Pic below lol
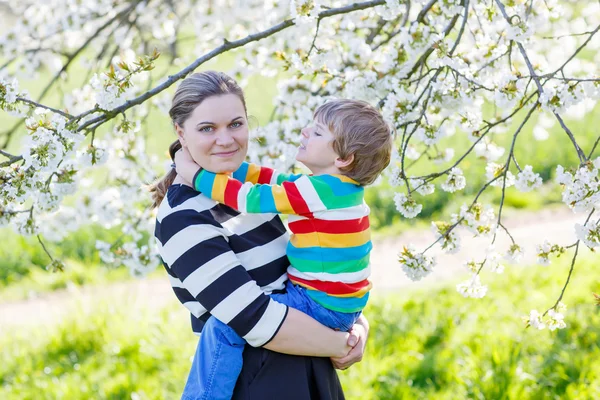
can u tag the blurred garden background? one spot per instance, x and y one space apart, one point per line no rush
93 332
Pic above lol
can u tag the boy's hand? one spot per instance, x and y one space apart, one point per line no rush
185 165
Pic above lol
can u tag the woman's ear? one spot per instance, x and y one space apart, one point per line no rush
180 135
341 163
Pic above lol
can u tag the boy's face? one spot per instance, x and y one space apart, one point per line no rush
316 151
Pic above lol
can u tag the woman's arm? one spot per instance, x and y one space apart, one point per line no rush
303 336
198 256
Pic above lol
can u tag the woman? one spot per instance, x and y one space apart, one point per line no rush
225 264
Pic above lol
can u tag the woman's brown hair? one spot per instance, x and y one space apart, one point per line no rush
192 91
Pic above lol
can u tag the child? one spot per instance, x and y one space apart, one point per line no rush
347 148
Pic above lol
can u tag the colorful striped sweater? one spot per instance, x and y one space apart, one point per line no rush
330 243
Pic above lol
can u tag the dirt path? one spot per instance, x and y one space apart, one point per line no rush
528 229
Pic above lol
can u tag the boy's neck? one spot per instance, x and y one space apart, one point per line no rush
332 170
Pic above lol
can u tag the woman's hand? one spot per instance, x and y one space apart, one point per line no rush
358 340
185 165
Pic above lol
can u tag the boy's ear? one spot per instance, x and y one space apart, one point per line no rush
180 135
341 163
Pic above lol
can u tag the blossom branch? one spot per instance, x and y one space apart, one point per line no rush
70 59
487 129
312 46
226 46
570 269
7 155
420 18
540 87
12 159
507 232
593 148
39 238
446 31
460 219
507 164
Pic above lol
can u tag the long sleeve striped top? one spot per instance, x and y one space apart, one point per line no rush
223 263
330 243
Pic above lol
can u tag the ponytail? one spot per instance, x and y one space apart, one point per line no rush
158 189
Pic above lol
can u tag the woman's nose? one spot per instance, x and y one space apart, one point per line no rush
304 132
224 138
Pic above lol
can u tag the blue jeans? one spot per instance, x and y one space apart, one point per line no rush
218 359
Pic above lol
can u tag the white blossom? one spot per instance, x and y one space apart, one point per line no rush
555 320
514 254
414 264
429 134
472 288
407 206
493 170
527 180
455 181
488 150
589 233
540 133
450 241
535 320
493 260
547 249
581 192
478 219
421 187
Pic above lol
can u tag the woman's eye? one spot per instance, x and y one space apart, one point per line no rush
236 124
205 129
317 133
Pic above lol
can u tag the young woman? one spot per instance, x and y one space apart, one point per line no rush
224 263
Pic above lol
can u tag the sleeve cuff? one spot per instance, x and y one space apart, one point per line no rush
268 326
278 327
196 181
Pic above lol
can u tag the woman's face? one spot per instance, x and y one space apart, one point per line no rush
216 134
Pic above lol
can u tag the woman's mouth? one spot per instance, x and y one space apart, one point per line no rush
225 154
302 147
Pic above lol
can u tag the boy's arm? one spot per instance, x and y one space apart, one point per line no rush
253 173
300 197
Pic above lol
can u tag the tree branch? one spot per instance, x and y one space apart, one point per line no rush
592 33
54 110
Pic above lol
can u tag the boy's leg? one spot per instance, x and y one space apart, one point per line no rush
217 363
296 297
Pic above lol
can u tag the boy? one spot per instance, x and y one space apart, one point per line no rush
347 148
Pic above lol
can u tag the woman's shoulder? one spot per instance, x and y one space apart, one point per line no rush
183 198
183 207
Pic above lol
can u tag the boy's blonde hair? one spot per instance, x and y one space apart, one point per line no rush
359 130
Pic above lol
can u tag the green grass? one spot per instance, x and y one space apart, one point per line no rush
23 271
427 343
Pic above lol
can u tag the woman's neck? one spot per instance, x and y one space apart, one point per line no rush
180 181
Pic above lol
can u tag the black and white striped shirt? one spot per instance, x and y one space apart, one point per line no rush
223 263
